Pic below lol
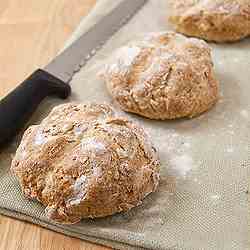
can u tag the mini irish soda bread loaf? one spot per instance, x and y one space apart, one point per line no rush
162 76
214 20
82 161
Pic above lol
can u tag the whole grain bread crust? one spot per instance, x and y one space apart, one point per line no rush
83 161
162 76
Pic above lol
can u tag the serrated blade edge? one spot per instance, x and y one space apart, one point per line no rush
66 64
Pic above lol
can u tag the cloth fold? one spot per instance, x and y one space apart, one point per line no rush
202 200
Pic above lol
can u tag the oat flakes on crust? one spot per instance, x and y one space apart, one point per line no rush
82 161
212 20
162 76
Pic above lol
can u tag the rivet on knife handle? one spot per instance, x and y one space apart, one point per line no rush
17 107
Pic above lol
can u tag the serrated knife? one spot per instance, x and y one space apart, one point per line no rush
17 107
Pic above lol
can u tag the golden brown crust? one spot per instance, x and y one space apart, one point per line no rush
212 20
83 161
162 76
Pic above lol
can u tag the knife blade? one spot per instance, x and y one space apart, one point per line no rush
64 65
17 107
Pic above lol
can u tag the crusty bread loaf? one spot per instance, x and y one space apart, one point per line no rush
162 76
213 20
82 161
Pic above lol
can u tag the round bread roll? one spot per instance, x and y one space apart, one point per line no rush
84 162
162 76
212 20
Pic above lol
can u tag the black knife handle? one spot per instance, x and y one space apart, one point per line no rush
17 107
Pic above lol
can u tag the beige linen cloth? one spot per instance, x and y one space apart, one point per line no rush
202 200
